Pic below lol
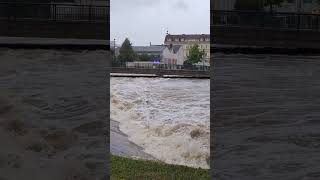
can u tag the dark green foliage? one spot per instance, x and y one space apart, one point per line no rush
195 55
124 168
126 52
116 63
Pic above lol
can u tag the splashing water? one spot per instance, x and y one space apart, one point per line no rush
169 118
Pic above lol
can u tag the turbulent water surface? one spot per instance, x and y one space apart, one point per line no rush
169 118
266 117
53 114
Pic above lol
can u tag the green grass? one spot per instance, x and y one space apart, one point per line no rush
125 169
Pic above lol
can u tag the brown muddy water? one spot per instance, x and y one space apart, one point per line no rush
266 117
167 117
53 113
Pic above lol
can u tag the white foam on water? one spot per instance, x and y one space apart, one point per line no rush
169 118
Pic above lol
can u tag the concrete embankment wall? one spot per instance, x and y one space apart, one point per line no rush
162 72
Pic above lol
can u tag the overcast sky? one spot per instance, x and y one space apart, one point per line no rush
145 21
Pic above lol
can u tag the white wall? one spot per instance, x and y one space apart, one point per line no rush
168 54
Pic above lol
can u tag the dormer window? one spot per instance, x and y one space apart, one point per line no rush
182 39
201 39
169 39
176 39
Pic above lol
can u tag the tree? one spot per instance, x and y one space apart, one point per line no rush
126 53
195 55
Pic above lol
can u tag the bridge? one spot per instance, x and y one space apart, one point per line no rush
233 28
190 72
54 21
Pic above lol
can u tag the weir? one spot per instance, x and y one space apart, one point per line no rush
172 73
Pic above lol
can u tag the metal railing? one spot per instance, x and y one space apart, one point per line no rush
163 66
53 11
259 19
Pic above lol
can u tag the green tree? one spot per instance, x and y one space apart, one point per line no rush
195 55
126 53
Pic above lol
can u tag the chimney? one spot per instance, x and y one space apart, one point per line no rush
150 43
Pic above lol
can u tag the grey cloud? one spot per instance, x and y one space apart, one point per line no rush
144 21
181 5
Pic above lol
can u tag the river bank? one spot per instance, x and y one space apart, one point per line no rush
124 168
121 146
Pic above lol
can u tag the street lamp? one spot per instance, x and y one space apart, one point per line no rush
114 48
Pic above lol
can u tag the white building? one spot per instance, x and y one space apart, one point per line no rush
187 41
173 55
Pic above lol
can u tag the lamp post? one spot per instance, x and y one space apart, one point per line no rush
205 54
114 48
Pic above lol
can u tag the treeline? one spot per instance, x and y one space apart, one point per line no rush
127 54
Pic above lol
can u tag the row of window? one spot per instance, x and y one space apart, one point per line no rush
182 39
170 61
207 55
201 46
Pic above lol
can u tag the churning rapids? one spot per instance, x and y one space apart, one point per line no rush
169 118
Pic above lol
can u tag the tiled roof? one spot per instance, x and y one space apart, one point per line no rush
176 48
148 48
187 36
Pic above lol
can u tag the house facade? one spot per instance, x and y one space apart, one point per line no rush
186 41
173 55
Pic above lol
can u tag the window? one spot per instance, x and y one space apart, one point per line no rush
182 39
169 39
176 39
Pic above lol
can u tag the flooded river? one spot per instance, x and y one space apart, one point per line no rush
168 118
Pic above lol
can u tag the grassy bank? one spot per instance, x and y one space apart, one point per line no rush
124 168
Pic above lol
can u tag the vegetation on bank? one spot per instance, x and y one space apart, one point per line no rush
127 54
195 55
125 168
